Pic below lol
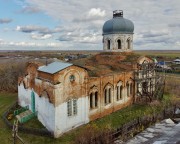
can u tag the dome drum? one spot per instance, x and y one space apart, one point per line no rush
118 33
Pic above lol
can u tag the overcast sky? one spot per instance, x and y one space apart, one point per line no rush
77 24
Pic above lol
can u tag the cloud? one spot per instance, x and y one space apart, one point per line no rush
79 35
6 44
93 15
87 17
178 43
96 12
37 32
5 21
80 23
153 33
30 10
39 29
174 25
1 41
32 28
40 36
158 38
84 38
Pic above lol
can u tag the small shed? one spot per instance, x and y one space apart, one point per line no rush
176 61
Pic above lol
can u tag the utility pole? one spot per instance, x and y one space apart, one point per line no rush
15 133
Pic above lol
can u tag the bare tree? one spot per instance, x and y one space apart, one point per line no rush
9 74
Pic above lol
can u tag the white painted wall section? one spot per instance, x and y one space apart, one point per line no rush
64 123
45 110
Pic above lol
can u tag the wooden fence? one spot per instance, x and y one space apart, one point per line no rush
35 131
134 127
124 132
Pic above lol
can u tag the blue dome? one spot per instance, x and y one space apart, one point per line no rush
118 24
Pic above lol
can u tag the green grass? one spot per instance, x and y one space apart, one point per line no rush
112 121
34 122
6 99
125 115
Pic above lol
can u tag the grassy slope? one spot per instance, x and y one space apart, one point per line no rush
6 99
111 121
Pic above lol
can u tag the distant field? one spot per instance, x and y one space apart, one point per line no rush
18 56
172 53
166 54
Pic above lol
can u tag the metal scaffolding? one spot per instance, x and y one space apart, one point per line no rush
149 84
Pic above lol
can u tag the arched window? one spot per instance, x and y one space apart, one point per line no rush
119 44
96 99
108 44
117 92
121 91
109 95
105 96
127 87
128 43
91 100
131 89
